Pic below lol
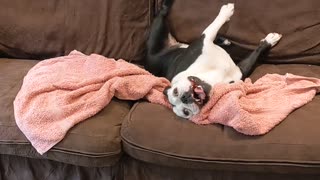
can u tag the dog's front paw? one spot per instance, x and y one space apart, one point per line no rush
226 11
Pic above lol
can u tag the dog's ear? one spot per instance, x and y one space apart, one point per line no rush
194 79
165 91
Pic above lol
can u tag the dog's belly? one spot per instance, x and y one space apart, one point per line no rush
214 65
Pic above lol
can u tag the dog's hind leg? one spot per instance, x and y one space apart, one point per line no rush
157 39
173 42
246 65
224 15
159 31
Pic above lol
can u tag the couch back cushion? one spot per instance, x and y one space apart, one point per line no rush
298 21
40 29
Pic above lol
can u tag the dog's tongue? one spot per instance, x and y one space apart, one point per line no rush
200 92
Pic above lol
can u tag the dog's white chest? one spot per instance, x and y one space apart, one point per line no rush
212 66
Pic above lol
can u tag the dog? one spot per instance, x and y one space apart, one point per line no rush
194 69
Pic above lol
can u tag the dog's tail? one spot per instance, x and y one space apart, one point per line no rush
159 30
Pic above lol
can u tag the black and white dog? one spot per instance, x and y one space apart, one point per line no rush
193 70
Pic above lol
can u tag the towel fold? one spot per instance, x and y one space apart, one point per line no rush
255 108
58 93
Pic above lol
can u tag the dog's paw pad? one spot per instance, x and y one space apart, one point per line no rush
227 11
272 38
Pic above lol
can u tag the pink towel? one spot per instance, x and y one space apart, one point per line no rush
58 93
254 109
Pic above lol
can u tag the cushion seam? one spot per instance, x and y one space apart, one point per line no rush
222 160
66 151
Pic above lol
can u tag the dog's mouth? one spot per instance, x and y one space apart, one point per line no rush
199 95
200 90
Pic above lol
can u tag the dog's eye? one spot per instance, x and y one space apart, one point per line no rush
175 92
186 112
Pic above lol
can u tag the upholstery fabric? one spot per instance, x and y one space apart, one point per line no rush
137 170
18 168
44 29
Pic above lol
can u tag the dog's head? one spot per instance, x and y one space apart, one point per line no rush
187 96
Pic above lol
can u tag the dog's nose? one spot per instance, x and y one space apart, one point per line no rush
186 98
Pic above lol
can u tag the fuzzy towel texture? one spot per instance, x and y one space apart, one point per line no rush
255 108
58 93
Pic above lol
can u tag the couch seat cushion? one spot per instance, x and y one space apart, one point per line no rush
94 142
154 134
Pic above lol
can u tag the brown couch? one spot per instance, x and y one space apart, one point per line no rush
139 140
